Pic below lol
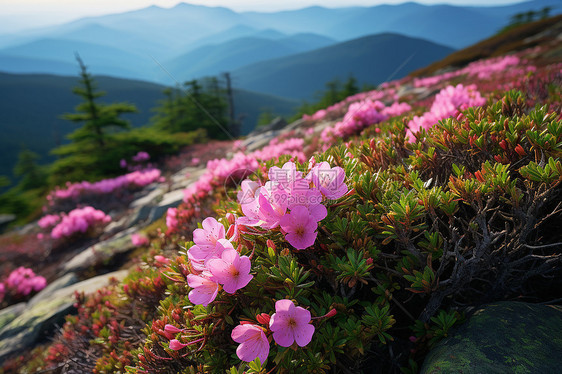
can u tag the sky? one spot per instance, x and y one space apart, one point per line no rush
21 14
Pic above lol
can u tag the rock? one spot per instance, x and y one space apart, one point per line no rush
101 252
278 123
31 325
47 292
169 200
33 322
505 337
186 176
253 143
149 199
5 220
10 313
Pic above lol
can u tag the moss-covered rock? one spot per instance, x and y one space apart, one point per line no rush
504 337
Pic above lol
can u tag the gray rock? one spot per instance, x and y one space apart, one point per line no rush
187 176
149 199
139 216
32 322
101 252
10 313
169 200
259 141
504 337
47 292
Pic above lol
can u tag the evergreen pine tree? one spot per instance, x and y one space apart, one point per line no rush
97 118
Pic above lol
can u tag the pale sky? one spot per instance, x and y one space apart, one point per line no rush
28 13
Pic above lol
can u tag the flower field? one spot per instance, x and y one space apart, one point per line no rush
351 243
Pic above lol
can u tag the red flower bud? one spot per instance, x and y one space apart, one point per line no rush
263 318
270 244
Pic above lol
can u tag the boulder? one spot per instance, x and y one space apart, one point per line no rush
504 337
47 292
170 200
10 313
101 252
29 324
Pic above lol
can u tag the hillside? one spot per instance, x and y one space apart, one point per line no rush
31 106
377 235
371 59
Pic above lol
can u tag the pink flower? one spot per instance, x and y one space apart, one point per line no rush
330 181
253 342
161 259
2 291
23 280
285 176
231 270
139 240
300 228
211 232
200 255
310 199
172 329
291 324
171 218
273 202
204 289
176 345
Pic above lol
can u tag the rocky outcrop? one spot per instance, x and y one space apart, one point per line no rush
23 325
504 337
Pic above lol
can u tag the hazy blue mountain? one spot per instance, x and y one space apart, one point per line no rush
31 106
101 59
97 34
135 39
371 59
216 59
14 64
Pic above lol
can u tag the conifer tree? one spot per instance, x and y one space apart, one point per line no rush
32 176
97 118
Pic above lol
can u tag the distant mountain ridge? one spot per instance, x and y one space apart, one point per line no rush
371 60
233 54
158 34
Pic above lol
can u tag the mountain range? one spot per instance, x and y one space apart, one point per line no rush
197 40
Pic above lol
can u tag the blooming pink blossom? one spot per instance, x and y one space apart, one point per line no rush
291 324
273 202
48 221
310 198
448 102
204 289
141 156
300 228
171 218
330 181
253 342
211 232
139 178
22 281
200 255
231 270
2 291
139 240
161 259
79 220
285 176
